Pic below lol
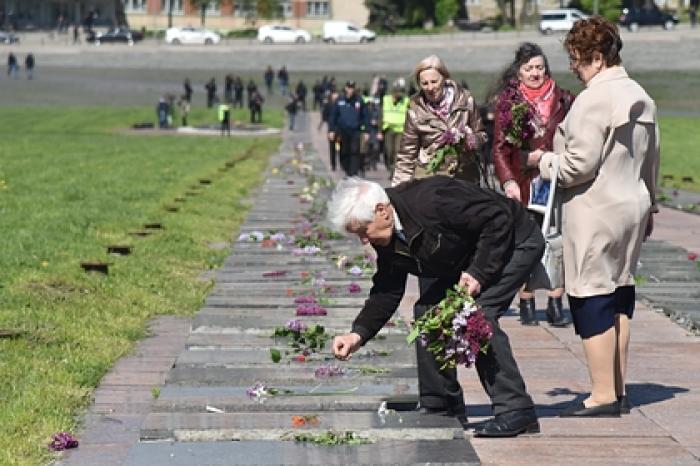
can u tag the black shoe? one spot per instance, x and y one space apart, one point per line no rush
510 424
528 314
555 314
624 402
580 410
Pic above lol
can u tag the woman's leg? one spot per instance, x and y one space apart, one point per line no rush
622 331
601 352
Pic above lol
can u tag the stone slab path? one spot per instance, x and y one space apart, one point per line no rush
202 368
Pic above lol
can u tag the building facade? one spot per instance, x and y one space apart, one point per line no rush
241 14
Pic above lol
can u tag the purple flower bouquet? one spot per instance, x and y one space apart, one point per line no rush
516 117
455 330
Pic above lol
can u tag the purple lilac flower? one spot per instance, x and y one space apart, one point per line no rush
278 237
257 236
311 309
63 441
329 371
244 237
305 299
355 270
306 250
296 325
257 391
354 288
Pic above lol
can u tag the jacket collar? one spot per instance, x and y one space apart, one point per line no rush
461 98
411 228
608 74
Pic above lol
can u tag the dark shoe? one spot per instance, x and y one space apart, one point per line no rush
580 410
528 315
624 403
510 424
555 314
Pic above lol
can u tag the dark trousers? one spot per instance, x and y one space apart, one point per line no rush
497 369
350 152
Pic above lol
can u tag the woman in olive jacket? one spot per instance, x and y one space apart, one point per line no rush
442 113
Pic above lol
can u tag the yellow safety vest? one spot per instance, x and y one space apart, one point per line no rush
223 108
394 116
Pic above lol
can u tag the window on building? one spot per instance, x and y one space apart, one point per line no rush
286 8
135 5
213 8
317 8
245 8
473 2
177 5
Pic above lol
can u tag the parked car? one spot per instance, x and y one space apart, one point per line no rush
559 20
343 31
488 23
635 16
8 38
274 33
122 35
190 35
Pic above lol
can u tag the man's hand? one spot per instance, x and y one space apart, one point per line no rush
470 283
331 136
344 345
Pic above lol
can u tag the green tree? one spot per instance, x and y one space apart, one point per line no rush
609 9
202 5
445 10
269 9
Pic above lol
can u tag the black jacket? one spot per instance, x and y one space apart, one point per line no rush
450 226
348 114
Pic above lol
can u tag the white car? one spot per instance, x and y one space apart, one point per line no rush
559 20
189 35
344 31
274 33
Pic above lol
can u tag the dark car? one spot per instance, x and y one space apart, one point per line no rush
117 35
465 24
634 16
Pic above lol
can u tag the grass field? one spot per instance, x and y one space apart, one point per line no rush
69 187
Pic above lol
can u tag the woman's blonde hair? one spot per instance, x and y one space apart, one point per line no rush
433 62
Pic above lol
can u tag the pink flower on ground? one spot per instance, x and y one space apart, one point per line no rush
354 288
692 256
63 441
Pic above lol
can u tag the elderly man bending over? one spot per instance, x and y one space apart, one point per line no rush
456 232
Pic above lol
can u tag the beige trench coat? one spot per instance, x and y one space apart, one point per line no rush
608 150
423 129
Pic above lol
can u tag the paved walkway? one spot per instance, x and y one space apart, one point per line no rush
663 384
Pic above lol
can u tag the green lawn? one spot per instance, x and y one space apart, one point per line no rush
680 151
69 187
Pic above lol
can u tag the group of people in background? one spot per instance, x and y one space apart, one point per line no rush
442 221
13 65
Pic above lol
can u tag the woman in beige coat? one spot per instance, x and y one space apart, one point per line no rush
608 152
441 114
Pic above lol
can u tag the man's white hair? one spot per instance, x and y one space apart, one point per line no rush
354 200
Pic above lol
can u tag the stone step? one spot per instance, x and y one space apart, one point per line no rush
203 427
185 399
236 299
257 325
280 374
388 452
255 356
200 339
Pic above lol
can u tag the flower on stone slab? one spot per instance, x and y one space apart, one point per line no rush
354 288
329 370
296 325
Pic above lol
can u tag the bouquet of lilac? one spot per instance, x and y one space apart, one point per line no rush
448 151
455 330
516 117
